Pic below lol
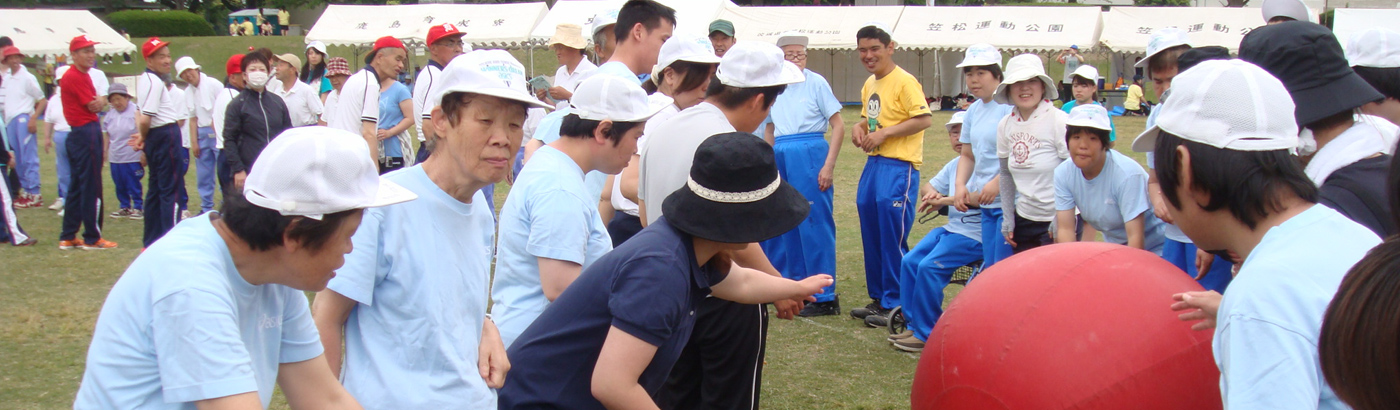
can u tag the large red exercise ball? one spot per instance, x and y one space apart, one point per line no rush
1069 326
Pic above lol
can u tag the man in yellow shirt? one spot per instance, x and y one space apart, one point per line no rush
1133 102
892 134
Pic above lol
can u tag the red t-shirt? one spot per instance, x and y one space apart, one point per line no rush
77 92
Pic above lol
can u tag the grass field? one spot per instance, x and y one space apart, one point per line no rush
49 300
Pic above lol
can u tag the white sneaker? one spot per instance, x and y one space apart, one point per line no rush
60 212
57 205
184 215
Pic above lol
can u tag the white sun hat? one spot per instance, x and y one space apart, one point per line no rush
1021 68
682 47
1087 72
1227 104
1165 38
1091 116
608 97
956 120
1376 47
754 64
315 171
981 54
487 72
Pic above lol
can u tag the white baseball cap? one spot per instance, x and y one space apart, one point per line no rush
607 97
792 38
1376 47
603 20
318 45
882 26
981 54
314 171
184 63
1227 104
1165 38
956 120
754 64
1294 9
1021 68
682 47
487 72
1091 116
1087 72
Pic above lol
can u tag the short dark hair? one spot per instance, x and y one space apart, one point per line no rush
263 228
1101 135
1165 58
995 69
1248 183
873 32
255 57
1358 346
1385 80
733 97
648 13
575 127
693 75
5 41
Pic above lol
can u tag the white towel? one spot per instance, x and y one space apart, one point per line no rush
1370 135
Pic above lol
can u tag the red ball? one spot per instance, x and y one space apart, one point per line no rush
1069 326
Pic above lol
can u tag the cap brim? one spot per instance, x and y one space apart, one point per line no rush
978 63
790 75
1086 124
748 222
390 193
1143 62
1052 91
1147 141
1342 94
82 46
655 103
503 93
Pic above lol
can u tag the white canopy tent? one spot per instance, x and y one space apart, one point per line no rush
694 15
825 27
43 33
485 25
1012 29
1350 22
1129 29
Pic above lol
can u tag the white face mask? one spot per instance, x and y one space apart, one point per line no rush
257 79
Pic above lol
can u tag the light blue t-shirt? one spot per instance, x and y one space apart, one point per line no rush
548 214
967 224
1268 323
805 107
980 133
1107 202
618 69
420 273
548 132
390 115
182 325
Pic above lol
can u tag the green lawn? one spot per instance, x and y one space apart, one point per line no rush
49 300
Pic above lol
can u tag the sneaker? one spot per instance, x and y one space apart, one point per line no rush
26 201
101 244
912 345
872 309
902 335
877 321
27 242
73 244
57 205
60 212
136 215
120 213
815 309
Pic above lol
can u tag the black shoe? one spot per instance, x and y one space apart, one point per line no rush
877 321
815 309
872 308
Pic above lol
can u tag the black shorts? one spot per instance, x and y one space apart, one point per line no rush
1030 234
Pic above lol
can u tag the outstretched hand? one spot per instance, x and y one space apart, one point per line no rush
1201 306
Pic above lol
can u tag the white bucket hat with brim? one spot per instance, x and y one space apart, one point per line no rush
569 35
1021 68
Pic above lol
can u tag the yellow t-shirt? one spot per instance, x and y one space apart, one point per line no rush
1134 99
892 100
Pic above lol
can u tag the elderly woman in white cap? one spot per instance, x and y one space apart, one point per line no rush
402 349
233 321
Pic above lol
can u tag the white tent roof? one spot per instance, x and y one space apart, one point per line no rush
485 24
825 27
694 15
1129 29
1350 22
47 32
1009 28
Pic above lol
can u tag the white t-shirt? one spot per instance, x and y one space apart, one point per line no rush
54 113
20 91
358 102
221 101
424 84
177 95
332 98
303 103
1033 148
420 275
569 81
666 167
153 96
620 202
202 99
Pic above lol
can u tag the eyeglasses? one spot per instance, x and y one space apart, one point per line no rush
795 56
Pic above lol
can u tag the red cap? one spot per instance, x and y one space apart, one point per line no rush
10 51
386 42
443 30
152 46
79 43
235 64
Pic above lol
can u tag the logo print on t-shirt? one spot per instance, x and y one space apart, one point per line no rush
1021 145
872 112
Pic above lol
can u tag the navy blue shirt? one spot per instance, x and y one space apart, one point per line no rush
648 287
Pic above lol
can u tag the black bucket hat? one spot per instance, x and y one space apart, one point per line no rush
1309 61
734 194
